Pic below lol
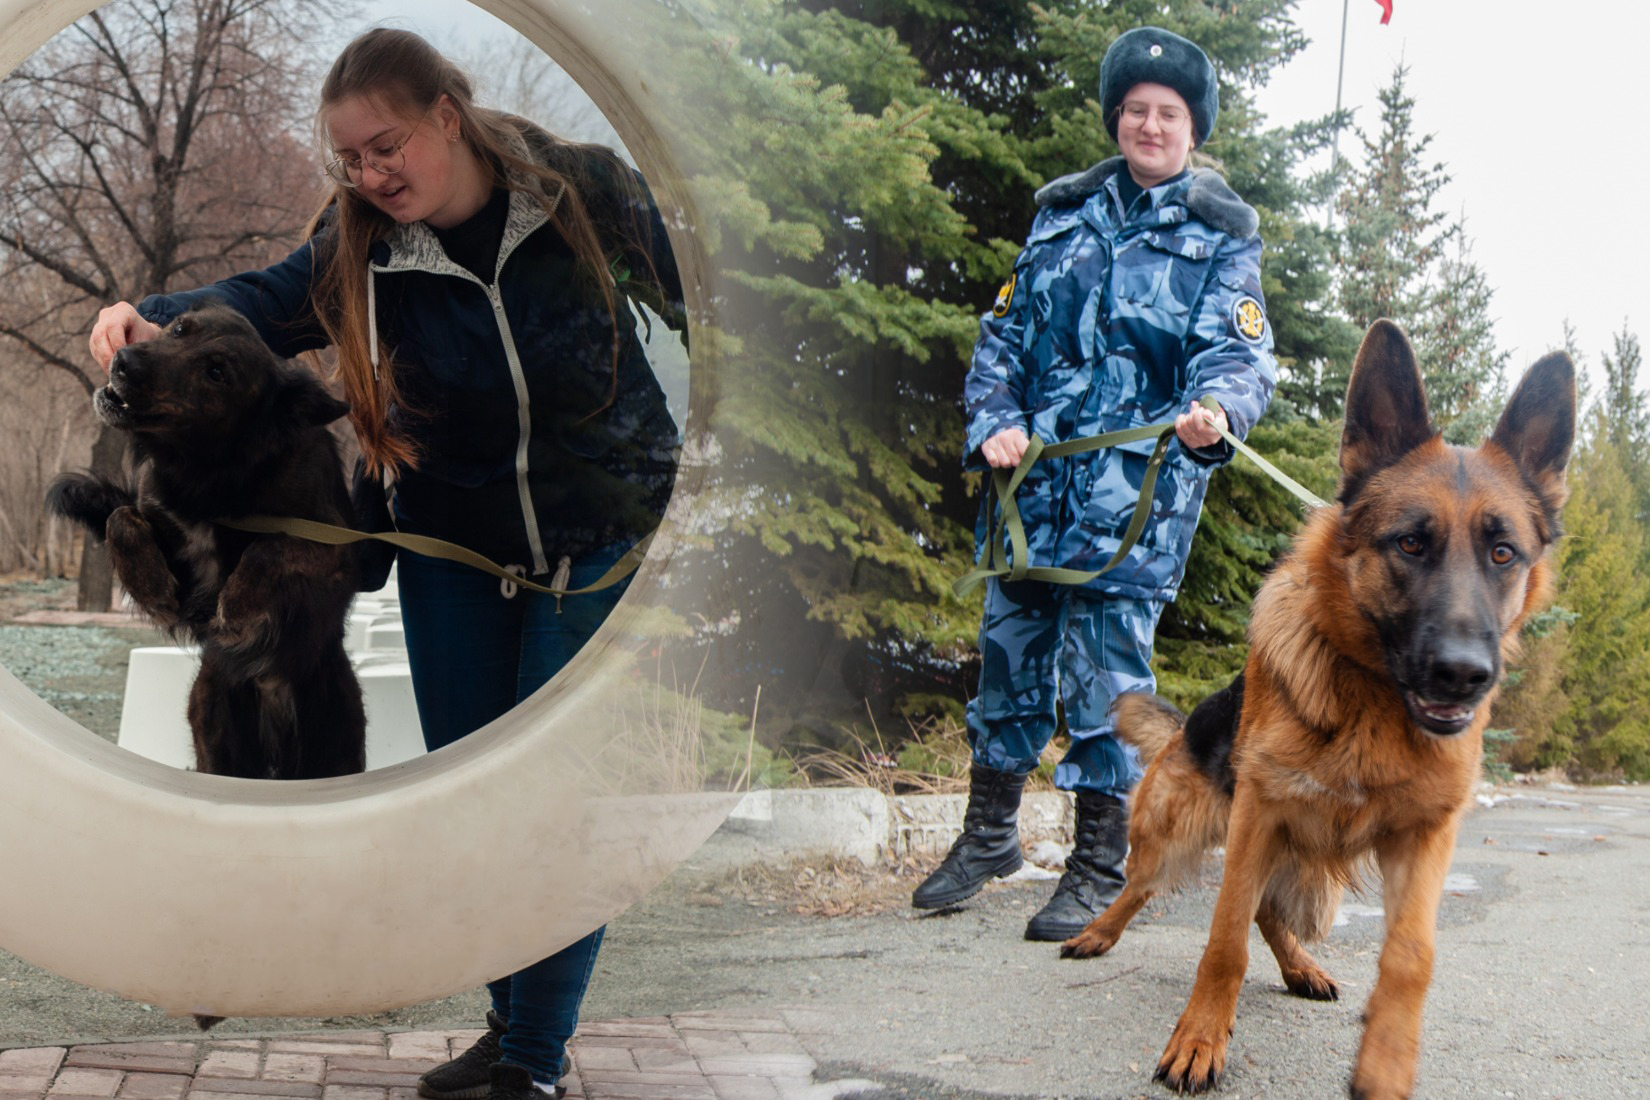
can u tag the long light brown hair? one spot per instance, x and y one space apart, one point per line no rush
402 74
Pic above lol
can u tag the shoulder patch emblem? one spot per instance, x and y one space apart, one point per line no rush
1249 319
1004 296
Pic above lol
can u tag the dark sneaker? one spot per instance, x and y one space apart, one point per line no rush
466 1077
512 1082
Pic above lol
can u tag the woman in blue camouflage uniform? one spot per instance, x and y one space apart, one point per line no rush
1137 294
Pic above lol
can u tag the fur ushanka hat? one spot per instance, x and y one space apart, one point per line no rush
1152 55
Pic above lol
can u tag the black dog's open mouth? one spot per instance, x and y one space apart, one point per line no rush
1440 718
112 406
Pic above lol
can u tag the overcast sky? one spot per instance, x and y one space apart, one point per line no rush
1535 108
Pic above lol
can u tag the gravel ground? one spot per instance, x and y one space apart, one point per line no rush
80 670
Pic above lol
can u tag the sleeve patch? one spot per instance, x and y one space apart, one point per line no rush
1249 319
1004 296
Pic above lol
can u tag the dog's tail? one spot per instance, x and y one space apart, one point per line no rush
1148 722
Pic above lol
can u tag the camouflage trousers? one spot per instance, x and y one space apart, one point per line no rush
1043 644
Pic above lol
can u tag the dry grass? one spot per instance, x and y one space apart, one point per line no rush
650 745
662 738
934 759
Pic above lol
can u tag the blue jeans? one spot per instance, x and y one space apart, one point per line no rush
475 653
1042 644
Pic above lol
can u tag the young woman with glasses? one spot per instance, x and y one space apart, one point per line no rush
474 274
1137 294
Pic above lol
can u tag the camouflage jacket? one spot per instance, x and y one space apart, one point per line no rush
1114 319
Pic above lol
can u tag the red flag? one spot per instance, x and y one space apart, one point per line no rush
1386 11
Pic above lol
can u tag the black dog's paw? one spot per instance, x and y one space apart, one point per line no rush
207 1023
129 534
141 566
245 616
88 498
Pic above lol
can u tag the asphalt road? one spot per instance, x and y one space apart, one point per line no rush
1539 991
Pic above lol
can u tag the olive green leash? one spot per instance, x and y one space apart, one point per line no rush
316 531
1008 532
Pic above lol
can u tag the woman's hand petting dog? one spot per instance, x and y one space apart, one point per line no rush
117 326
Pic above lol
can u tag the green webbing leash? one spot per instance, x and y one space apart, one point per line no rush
1008 529
315 531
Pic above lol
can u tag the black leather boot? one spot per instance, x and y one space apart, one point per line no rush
1094 870
989 845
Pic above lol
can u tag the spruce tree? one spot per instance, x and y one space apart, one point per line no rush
823 444
1626 416
1390 235
1604 727
1455 342
1580 695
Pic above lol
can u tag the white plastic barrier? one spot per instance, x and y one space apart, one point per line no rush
204 894
154 717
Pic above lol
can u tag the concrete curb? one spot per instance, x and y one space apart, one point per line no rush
862 824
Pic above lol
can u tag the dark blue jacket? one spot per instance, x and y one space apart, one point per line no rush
530 448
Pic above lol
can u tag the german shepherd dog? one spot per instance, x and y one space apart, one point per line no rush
1355 729
222 428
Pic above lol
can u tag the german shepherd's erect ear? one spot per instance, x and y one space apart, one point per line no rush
1386 408
1538 427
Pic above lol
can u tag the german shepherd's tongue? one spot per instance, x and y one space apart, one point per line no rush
1442 717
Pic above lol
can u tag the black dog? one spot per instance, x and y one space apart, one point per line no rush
222 428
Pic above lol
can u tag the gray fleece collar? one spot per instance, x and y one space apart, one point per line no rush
413 247
1208 196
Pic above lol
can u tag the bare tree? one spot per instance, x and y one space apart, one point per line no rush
45 420
151 146
514 75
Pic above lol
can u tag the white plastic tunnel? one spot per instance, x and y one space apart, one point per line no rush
230 897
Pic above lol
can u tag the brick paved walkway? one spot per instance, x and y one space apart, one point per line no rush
691 1056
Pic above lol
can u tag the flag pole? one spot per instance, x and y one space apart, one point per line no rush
1335 133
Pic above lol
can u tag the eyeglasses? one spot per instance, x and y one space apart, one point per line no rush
1170 119
386 160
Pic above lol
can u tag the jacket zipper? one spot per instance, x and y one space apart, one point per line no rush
524 422
518 377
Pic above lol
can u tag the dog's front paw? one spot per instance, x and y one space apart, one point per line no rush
1091 942
140 565
245 615
1194 1058
1386 1064
241 619
127 530
1313 983
1376 1090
